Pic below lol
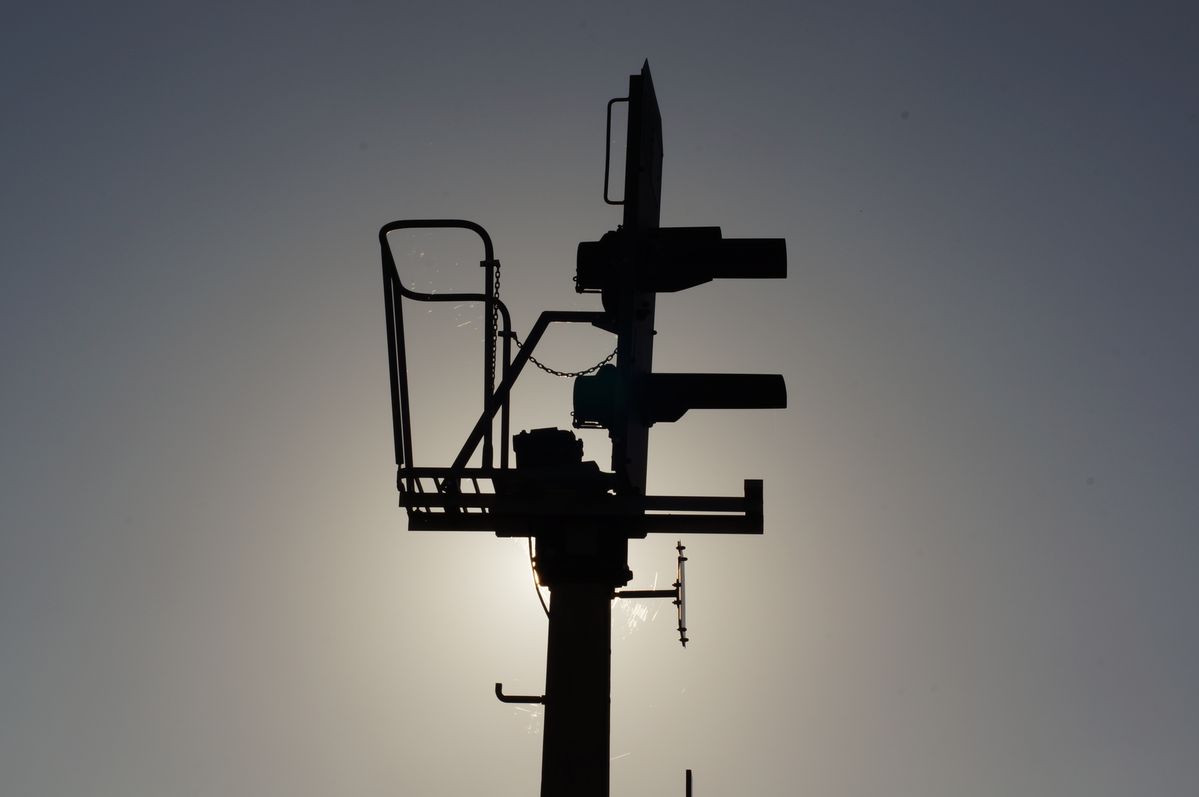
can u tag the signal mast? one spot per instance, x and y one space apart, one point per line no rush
578 516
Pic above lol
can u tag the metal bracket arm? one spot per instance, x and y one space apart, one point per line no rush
518 363
509 515
673 594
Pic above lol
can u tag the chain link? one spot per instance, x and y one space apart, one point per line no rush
567 374
495 314
532 359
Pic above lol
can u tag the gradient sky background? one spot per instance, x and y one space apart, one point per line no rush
981 568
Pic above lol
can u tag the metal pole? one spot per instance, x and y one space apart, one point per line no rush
578 682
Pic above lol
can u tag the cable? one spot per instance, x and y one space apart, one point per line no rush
535 585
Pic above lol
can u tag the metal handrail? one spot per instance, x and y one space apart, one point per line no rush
397 354
496 400
608 149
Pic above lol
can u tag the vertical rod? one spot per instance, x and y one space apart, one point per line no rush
402 368
504 433
688 783
397 427
488 353
578 681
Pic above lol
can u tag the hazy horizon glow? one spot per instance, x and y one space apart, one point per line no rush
979 570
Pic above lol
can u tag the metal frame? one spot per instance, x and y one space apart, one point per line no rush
458 498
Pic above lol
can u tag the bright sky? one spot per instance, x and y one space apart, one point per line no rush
979 570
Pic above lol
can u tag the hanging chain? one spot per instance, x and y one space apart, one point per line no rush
520 345
494 310
567 374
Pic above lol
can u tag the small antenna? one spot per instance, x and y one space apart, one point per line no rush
678 595
680 600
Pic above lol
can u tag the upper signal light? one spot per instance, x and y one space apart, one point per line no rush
672 259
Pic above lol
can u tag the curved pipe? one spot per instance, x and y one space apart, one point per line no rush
499 692
424 224
442 297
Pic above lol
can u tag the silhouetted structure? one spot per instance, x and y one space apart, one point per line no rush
580 517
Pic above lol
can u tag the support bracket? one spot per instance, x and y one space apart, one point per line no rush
499 692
